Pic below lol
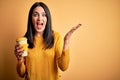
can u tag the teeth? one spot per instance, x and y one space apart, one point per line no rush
38 23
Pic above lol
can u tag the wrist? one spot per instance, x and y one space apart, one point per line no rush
21 59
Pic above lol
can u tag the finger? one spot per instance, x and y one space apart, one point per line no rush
76 27
72 30
18 50
19 57
18 47
68 35
79 25
19 54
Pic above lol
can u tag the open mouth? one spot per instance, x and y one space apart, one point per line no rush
41 24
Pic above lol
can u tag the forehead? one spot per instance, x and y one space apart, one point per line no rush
38 9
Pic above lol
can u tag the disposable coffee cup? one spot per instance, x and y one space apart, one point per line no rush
23 42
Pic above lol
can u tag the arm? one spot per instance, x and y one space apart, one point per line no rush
63 61
21 68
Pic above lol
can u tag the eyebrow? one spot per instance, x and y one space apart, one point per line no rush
35 12
38 12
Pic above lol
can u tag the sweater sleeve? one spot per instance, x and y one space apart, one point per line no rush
21 68
63 61
62 56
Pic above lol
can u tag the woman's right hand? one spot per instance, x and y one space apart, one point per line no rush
18 52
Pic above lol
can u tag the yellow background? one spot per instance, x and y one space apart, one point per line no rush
94 48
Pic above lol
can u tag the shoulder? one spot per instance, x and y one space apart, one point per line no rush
57 36
58 40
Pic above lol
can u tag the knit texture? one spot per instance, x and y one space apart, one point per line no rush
44 64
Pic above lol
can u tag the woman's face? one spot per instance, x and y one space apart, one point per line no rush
39 20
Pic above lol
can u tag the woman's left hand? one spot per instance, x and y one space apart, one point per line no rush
68 35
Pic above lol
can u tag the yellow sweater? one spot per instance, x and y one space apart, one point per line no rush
41 64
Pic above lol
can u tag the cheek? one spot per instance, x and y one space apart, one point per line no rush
45 20
33 21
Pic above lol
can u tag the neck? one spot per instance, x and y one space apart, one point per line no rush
39 34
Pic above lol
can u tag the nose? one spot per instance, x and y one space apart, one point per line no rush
40 17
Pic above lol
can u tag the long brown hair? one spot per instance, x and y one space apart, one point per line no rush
48 33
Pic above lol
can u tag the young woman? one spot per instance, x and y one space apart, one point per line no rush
47 51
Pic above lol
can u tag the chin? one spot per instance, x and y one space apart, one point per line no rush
40 31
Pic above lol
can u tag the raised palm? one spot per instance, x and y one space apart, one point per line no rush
68 35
